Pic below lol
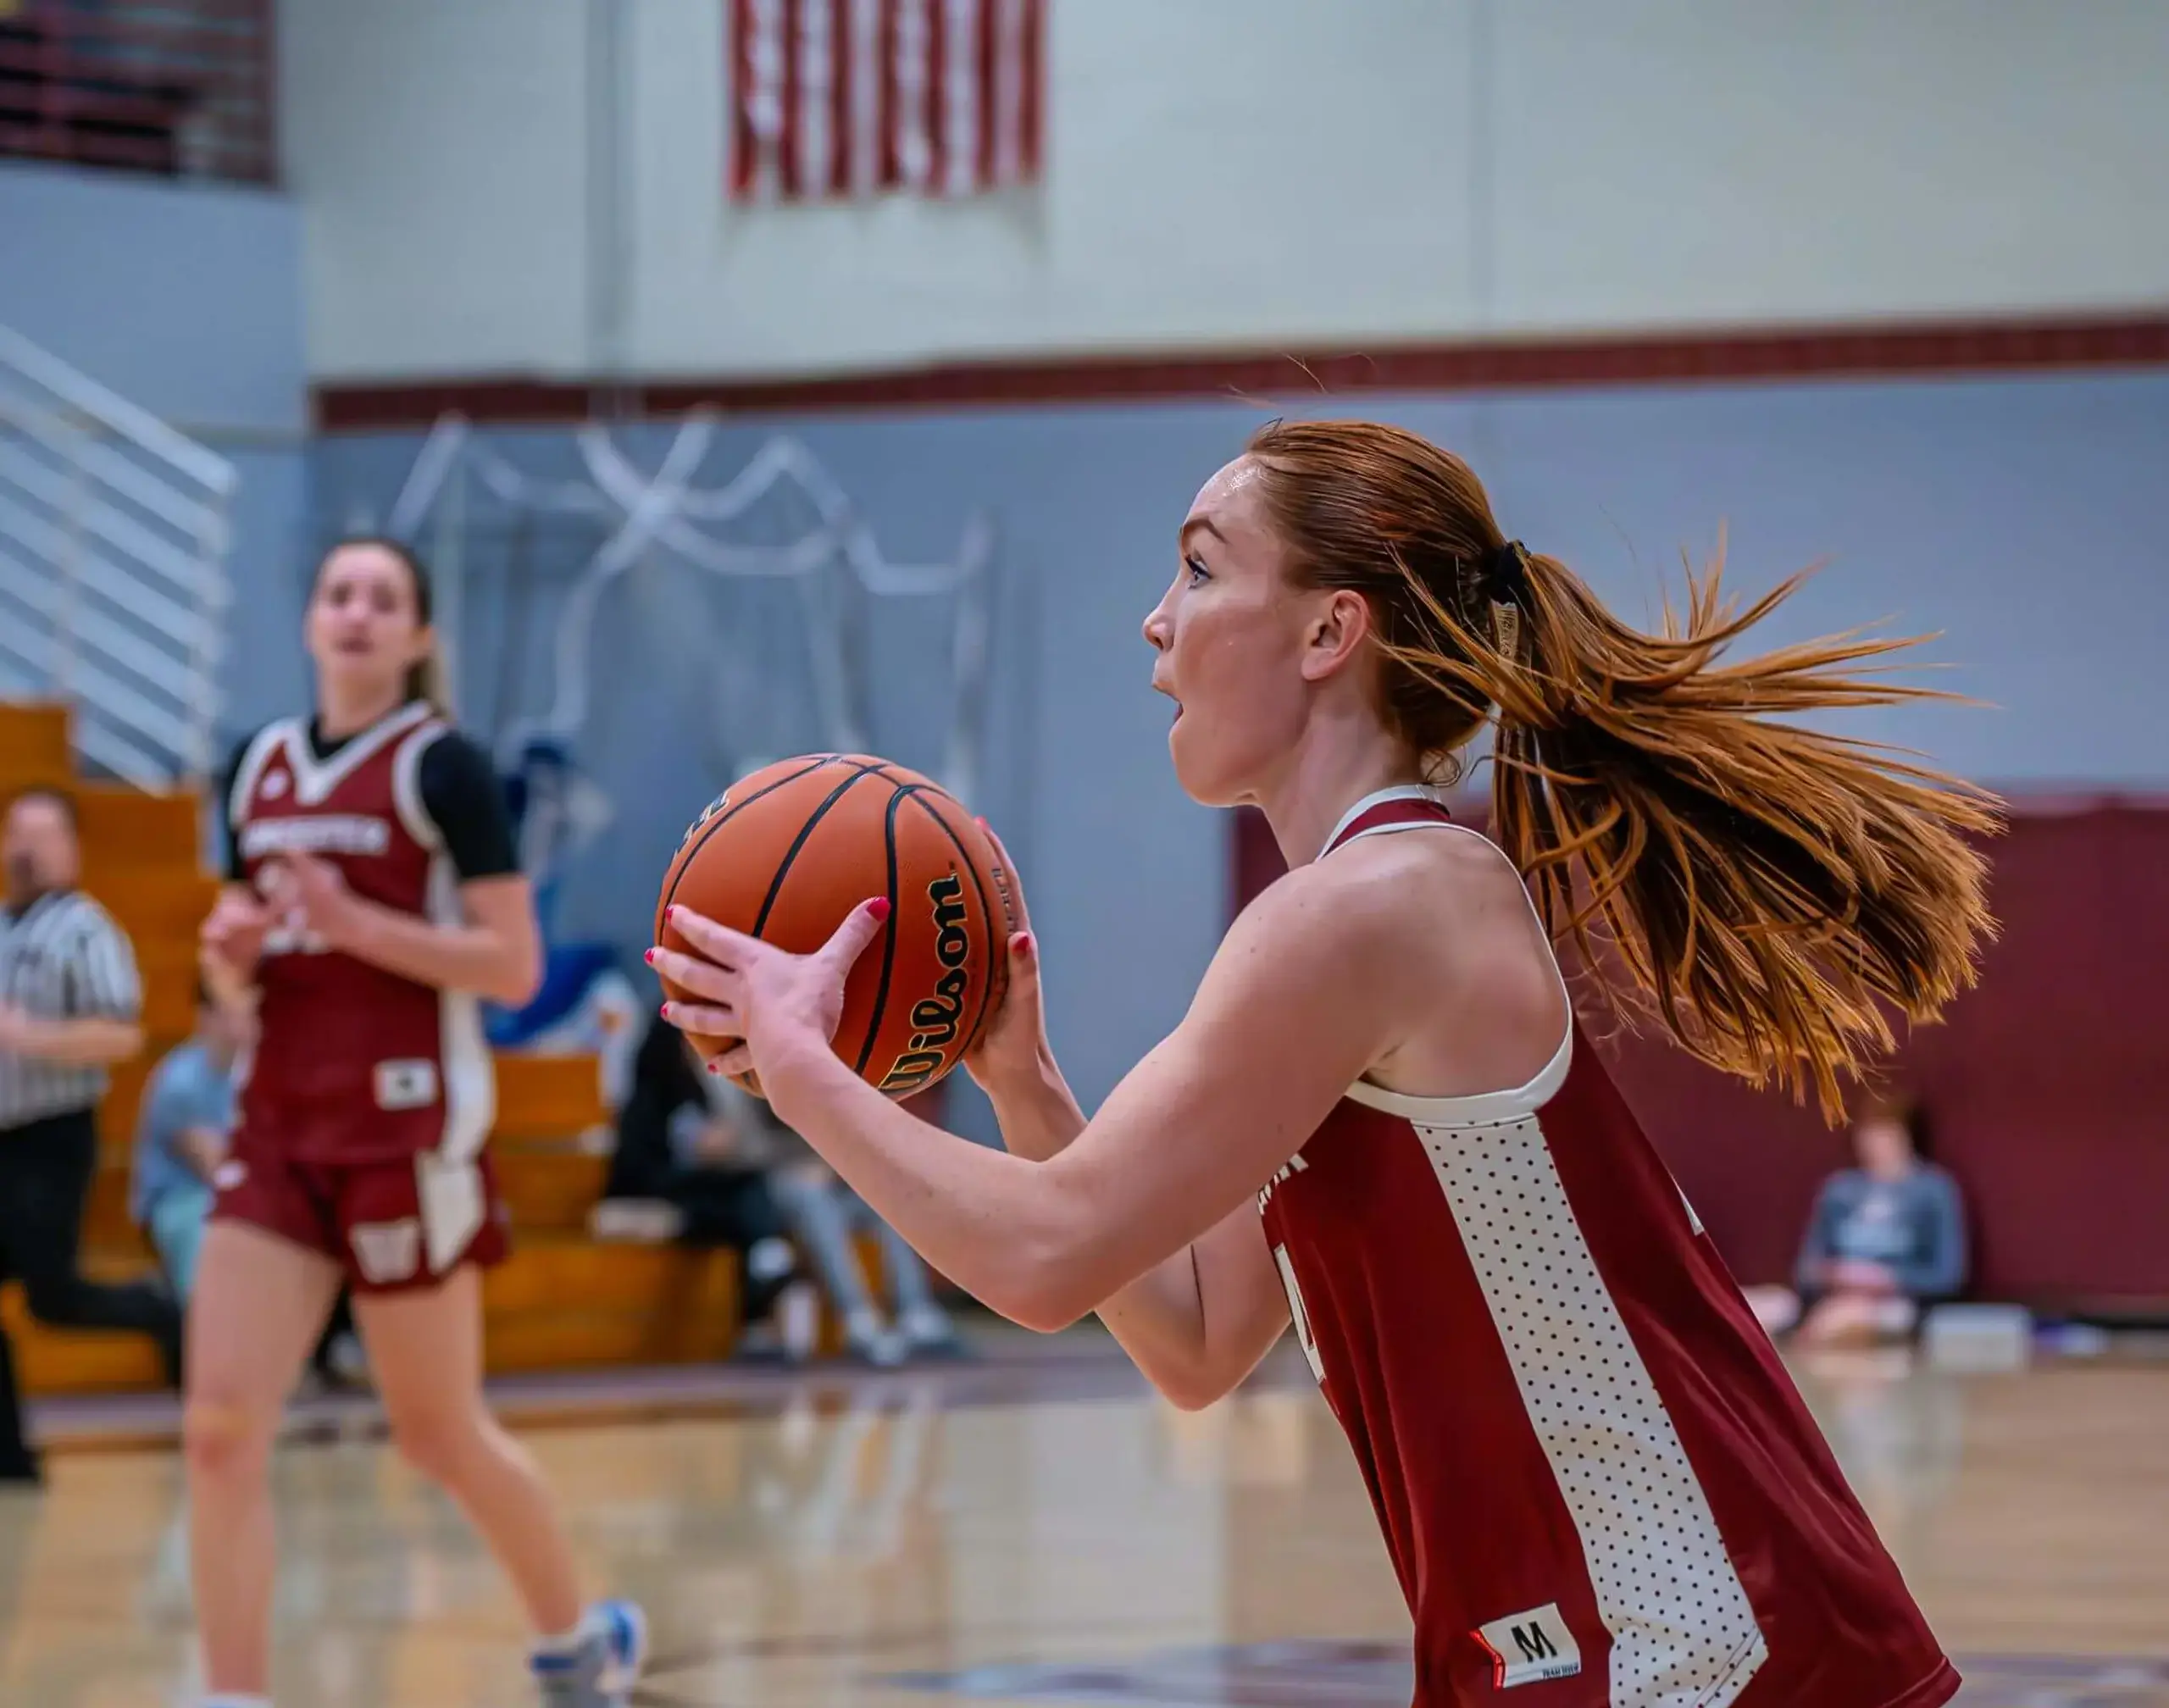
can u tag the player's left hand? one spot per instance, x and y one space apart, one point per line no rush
737 986
317 891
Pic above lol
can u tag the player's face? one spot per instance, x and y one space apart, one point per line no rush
364 628
1230 635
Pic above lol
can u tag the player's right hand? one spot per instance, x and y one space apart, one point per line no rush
1013 1049
234 934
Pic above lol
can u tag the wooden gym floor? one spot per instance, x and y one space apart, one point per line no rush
1038 1530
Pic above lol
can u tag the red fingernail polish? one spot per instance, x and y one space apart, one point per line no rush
665 1010
1024 945
878 907
649 958
668 914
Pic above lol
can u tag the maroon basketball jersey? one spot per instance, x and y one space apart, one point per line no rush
353 1063
1598 1485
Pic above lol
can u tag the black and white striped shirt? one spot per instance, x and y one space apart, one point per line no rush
61 959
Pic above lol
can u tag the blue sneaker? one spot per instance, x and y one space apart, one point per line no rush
601 1668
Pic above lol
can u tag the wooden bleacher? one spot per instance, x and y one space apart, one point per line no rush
562 1301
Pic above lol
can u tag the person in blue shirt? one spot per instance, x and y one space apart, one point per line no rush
180 1135
1886 1238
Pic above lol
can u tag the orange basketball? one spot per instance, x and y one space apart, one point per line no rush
785 854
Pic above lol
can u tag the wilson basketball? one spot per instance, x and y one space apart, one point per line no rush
785 855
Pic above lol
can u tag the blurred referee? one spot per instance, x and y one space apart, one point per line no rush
69 1006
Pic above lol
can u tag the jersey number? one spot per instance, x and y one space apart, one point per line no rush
1297 1313
293 936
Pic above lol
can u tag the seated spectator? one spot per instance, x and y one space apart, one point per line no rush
687 1169
1885 1239
187 1114
825 1214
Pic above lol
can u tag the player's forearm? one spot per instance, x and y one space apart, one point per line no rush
92 1041
995 1223
1158 1319
503 966
1039 1115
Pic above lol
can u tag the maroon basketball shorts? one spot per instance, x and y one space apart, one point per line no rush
393 1224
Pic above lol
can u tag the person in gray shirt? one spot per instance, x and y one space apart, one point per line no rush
1885 1238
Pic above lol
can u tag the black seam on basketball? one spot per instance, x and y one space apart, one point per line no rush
797 842
986 912
684 858
889 936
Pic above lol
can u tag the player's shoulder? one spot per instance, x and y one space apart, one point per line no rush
260 741
267 741
450 756
1374 883
440 734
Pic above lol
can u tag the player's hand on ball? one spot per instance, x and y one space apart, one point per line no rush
1013 1048
737 986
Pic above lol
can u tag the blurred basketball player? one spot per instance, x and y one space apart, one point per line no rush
1592 1472
375 897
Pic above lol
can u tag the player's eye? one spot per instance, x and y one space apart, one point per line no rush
1195 565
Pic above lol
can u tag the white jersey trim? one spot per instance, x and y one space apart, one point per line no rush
315 779
407 786
283 735
1684 1631
470 1077
1481 1108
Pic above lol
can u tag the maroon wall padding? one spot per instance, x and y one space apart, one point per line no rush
2048 1086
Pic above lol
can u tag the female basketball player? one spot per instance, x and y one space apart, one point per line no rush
1590 1468
374 896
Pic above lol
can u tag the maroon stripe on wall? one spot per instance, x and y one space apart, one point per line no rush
1793 353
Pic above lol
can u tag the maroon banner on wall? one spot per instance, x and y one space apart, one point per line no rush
2047 1087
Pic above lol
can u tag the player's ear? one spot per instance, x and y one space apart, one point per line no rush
1338 624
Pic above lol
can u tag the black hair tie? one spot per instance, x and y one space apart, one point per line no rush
1507 572
1505 575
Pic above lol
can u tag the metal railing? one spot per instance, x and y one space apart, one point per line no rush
178 87
114 535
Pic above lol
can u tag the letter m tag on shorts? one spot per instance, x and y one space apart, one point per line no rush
1528 1648
406 1085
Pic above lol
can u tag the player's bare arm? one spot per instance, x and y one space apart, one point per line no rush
1299 1002
1196 1324
496 951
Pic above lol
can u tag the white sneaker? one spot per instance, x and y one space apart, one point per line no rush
868 1340
928 1334
601 1668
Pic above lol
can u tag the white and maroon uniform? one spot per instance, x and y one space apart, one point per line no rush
1597 1483
368 1096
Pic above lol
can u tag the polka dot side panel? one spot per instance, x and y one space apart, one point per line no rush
1682 1633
